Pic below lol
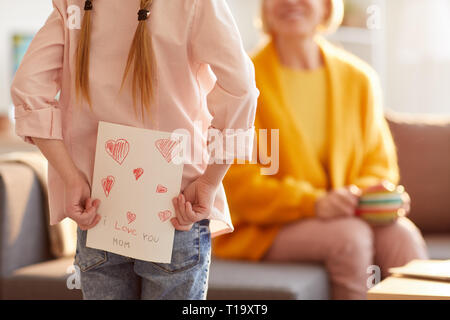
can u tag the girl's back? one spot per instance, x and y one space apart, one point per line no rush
188 39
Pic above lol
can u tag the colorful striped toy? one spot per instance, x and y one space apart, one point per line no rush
381 204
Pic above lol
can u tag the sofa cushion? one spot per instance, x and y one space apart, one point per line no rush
248 280
43 281
227 280
239 280
423 148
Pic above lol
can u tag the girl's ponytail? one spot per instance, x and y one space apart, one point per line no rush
82 57
140 59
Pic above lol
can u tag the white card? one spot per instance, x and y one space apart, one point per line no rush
136 179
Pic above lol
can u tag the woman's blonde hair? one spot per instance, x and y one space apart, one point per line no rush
335 18
327 27
140 59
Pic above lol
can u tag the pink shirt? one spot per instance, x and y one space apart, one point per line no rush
205 82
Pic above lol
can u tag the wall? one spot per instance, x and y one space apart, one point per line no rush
13 14
420 86
29 15
418 64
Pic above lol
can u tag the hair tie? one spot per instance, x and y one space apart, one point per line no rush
88 5
143 14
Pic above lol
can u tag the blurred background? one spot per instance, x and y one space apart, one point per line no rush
406 41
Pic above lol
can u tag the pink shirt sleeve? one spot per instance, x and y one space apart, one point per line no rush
38 81
215 40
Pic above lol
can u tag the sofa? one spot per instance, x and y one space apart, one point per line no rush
29 270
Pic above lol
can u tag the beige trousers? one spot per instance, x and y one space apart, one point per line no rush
347 247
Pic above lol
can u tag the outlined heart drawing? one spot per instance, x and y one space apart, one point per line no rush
131 217
117 149
166 147
161 189
164 215
138 172
107 184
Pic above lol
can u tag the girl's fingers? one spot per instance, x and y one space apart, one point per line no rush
190 214
96 203
85 217
200 212
88 203
89 216
182 207
177 211
97 219
179 216
93 224
180 227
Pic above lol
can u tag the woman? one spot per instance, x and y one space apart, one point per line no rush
334 142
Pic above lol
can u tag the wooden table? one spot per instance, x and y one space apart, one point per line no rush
403 288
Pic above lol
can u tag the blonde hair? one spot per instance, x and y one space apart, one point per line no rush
329 26
140 61
335 18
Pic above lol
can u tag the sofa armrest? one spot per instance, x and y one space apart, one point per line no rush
23 238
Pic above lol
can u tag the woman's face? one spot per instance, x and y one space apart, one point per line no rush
295 17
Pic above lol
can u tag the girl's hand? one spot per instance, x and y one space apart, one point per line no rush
194 204
338 203
79 206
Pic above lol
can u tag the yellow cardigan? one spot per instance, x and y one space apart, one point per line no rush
361 152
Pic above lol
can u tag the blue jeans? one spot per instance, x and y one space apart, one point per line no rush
105 275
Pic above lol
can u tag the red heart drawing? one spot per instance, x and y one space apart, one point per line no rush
138 172
117 149
161 189
164 215
166 147
131 217
107 184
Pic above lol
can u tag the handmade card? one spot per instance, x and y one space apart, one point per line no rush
136 179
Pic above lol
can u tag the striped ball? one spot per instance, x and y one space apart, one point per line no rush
381 205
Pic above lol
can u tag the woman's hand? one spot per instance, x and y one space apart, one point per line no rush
194 204
79 206
341 202
406 205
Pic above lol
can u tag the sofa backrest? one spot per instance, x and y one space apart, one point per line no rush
24 237
423 148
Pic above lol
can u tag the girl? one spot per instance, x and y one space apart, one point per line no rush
181 64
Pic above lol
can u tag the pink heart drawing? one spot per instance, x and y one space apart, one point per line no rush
131 217
107 184
161 189
138 172
164 215
117 149
166 147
